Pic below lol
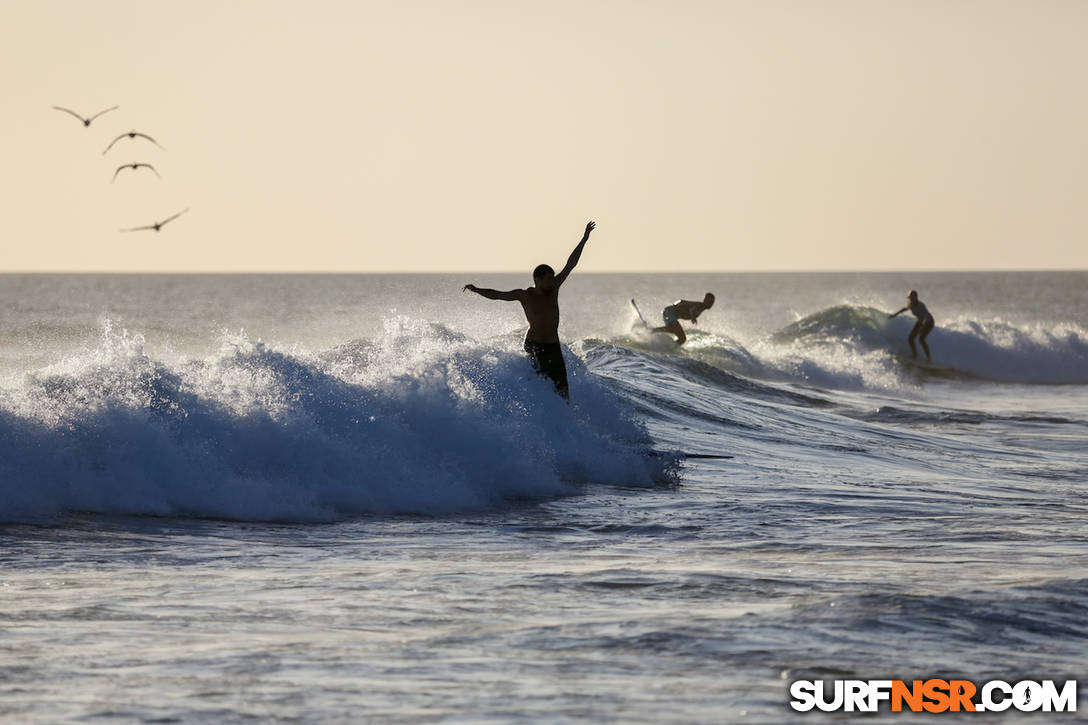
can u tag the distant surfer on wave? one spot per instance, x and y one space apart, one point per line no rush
541 306
683 310
922 327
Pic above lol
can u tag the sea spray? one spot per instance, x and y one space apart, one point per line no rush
422 422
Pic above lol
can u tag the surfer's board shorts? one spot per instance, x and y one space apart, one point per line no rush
669 315
547 360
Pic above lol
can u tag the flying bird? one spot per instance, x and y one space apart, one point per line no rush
86 121
131 134
135 165
157 225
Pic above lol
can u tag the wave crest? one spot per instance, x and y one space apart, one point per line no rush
420 422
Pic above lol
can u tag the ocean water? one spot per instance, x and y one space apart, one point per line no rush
330 499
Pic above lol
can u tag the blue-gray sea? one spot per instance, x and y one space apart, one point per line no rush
348 498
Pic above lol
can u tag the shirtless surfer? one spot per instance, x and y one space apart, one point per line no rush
922 327
541 306
683 310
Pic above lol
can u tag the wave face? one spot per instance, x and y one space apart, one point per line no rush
425 422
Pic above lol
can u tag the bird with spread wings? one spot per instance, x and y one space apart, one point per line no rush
135 165
86 121
157 225
131 134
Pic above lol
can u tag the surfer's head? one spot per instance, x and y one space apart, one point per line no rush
913 296
708 300
544 276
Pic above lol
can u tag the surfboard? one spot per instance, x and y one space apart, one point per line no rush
928 367
684 455
639 313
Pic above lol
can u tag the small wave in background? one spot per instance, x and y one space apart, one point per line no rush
858 347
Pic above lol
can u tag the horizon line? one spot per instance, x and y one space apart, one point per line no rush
960 270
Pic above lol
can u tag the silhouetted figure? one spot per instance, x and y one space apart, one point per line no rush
134 166
541 306
683 310
921 328
86 121
131 134
157 225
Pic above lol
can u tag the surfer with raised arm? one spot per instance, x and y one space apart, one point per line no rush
541 306
922 327
683 310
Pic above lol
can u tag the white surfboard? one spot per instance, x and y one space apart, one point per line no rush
639 313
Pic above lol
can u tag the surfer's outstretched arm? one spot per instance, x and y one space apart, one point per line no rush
514 295
896 314
575 255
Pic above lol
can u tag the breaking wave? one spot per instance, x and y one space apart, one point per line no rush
425 422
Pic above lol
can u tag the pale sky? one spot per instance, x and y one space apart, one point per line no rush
358 136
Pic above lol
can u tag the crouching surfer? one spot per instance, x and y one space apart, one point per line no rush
683 310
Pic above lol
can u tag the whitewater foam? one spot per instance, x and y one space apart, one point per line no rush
424 422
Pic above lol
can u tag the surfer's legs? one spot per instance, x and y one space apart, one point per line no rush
671 324
674 328
547 360
913 334
926 329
